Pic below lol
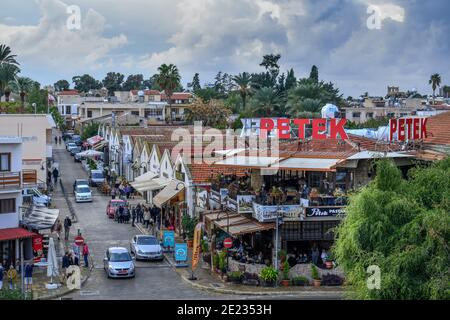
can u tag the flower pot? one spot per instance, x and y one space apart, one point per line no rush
329 264
190 244
285 283
316 282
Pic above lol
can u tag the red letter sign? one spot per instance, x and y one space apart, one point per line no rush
338 128
265 126
283 128
317 126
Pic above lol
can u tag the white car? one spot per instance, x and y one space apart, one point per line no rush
83 194
39 199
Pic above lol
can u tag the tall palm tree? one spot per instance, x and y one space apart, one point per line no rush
6 57
243 81
22 86
435 81
8 73
168 79
266 102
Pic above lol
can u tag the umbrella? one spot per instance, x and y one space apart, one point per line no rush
52 268
90 153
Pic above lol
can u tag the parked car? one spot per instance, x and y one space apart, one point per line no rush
39 199
146 248
77 140
118 263
79 182
71 145
112 207
74 151
78 158
83 194
96 178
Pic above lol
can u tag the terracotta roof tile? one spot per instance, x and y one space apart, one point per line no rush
438 129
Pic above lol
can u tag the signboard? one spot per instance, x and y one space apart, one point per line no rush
215 196
232 204
168 239
325 212
202 196
223 194
79 240
38 248
245 203
227 243
181 254
197 245
407 129
268 213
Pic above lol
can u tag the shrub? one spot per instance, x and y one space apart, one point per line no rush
235 276
216 260
269 274
286 269
314 272
300 281
222 261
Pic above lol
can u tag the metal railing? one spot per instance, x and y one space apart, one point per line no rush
10 180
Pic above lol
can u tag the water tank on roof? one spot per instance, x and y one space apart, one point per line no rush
329 111
140 93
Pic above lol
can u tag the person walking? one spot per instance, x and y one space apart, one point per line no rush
113 193
133 216
146 217
139 213
67 225
120 214
59 139
57 227
65 264
86 255
56 140
2 272
12 275
55 175
28 277
76 254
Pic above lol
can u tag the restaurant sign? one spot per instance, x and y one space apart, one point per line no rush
314 212
403 129
264 213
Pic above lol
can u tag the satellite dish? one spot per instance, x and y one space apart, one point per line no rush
140 93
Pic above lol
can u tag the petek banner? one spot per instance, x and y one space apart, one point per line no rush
407 129
38 248
319 128
197 245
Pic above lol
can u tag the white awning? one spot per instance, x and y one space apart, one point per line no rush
149 185
250 161
308 164
146 176
373 154
169 192
41 218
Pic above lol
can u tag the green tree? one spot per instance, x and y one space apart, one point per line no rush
85 83
113 82
243 81
233 102
314 74
168 79
6 57
196 83
446 90
8 73
270 63
435 81
21 86
61 85
40 98
90 130
211 113
403 227
207 94
266 101
291 80
134 82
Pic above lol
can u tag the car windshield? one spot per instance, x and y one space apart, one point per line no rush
82 182
147 241
83 190
120 257
97 175
116 204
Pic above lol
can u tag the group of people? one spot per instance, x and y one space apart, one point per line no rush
244 253
124 190
148 216
72 257
12 274
315 256
57 228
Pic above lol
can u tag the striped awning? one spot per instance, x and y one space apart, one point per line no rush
236 224
41 218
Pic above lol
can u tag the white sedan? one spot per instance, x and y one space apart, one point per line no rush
83 194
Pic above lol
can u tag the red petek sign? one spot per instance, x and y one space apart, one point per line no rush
38 248
79 240
319 128
408 128
227 243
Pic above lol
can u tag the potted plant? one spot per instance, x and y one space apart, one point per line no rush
329 261
235 277
222 263
300 281
282 254
216 260
188 224
315 276
269 276
285 281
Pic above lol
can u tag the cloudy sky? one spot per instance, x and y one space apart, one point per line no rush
361 45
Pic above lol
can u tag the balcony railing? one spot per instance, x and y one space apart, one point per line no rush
29 177
15 180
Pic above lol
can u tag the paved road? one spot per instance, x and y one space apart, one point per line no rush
154 280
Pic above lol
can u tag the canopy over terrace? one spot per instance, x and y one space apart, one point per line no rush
173 188
41 218
94 140
150 184
238 223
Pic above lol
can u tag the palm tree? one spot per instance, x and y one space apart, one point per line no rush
8 73
243 81
435 82
6 57
266 102
300 108
168 79
22 86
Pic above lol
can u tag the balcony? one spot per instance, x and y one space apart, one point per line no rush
15 180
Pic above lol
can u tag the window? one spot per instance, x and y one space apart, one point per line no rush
5 161
356 114
135 113
152 113
312 230
7 205
69 109
89 114
315 179
370 115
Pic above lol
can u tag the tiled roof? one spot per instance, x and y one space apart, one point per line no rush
438 129
178 96
68 93
202 173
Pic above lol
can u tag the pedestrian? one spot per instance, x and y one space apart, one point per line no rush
120 214
146 217
113 193
12 275
86 255
59 139
315 255
76 254
139 214
28 276
55 175
126 214
58 228
67 225
2 272
18 269
133 216
128 191
56 140
49 177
